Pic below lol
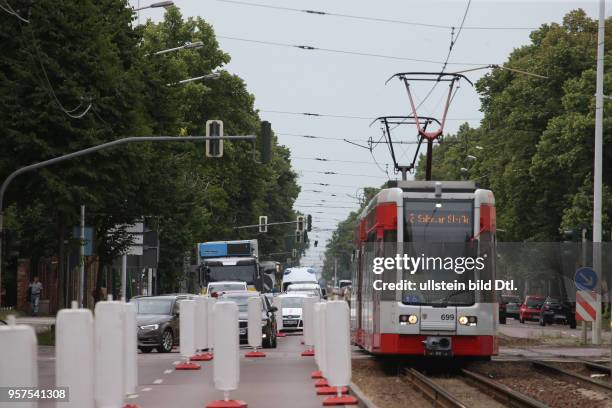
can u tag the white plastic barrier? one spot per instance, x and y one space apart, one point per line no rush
278 303
201 323
316 331
110 353
130 363
307 317
337 360
74 356
211 323
254 322
226 374
322 350
187 328
18 359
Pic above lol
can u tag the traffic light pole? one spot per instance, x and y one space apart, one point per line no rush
93 149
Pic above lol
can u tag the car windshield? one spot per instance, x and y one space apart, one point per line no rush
245 273
292 302
241 301
307 291
534 302
343 284
510 299
153 306
224 287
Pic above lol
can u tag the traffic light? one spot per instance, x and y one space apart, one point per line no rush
266 142
263 223
300 223
316 243
299 237
214 148
309 223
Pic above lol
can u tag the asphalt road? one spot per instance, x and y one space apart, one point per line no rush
282 379
532 329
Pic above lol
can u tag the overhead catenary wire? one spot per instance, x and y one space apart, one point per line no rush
9 10
374 19
327 115
347 52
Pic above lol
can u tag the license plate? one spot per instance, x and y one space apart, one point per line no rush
242 331
290 322
439 353
557 316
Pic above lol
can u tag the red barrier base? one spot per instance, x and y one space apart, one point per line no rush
331 390
255 354
316 374
345 400
187 366
202 357
308 353
281 334
321 383
131 406
227 404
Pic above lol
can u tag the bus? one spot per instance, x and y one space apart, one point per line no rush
454 219
229 261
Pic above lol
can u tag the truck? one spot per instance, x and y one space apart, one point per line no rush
229 261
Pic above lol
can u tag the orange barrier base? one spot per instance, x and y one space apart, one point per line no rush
308 353
187 366
131 406
255 354
202 357
281 334
331 390
344 400
316 374
227 404
321 383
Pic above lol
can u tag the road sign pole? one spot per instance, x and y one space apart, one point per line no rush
597 174
82 257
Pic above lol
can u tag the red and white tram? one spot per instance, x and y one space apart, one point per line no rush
421 217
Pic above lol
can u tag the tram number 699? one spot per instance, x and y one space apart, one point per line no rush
447 317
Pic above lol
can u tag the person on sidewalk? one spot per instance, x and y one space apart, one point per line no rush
36 288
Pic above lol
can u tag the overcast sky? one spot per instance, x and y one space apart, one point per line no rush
295 80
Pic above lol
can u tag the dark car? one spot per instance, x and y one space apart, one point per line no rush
157 318
268 318
556 311
509 306
530 308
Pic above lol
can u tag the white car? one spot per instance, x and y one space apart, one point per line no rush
292 310
225 286
312 289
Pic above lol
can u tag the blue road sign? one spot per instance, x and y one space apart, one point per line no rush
585 278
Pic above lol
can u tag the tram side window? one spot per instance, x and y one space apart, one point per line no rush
389 251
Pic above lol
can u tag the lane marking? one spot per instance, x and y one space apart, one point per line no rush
132 396
176 362
168 371
158 381
146 389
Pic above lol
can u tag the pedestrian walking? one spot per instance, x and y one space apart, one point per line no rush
35 290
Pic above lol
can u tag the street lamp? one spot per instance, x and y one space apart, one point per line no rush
214 75
186 46
164 4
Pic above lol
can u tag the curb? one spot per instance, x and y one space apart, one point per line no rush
364 402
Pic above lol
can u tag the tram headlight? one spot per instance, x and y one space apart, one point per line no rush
408 319
468 320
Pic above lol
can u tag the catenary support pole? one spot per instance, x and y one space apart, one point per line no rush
82 259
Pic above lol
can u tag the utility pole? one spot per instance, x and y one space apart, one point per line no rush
597 176
82 258
335 272
123 276
583 327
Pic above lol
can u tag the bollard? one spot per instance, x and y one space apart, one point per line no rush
109 354
337 360
18 355
278 303
307 316
317 341
201 329
254 326
322 339
210 335
130 362
74 356
226 367
187 334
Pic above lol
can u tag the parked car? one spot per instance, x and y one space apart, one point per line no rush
508 307
292 303
530 308
268 318
556 311
215 288
157 318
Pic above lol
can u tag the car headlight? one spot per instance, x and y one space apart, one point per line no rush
263 323
408 319
150 327
468 320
